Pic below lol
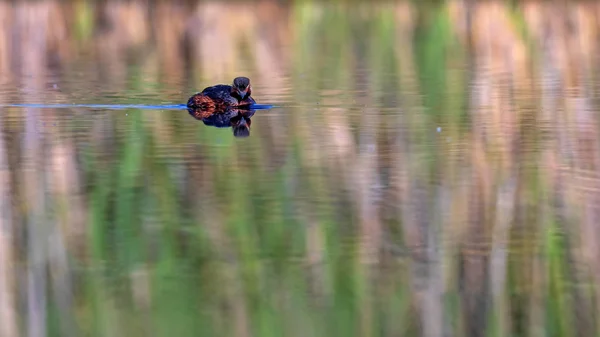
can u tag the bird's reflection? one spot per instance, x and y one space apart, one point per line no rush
235 117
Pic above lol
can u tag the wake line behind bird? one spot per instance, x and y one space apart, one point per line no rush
116 106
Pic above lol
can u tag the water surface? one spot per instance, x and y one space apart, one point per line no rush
418 170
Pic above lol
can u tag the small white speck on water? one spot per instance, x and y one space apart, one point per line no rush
126 114
439 129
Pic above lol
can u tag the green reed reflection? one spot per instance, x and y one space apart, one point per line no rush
430 169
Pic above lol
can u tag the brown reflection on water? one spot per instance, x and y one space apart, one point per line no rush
239 120
431 170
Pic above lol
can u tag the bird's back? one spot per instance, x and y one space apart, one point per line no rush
214 98
221 92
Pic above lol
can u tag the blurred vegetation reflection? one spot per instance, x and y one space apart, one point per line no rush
429 170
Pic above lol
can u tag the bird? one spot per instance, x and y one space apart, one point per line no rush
221 96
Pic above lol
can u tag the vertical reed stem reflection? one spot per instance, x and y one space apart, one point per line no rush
431 169
31 21
8 269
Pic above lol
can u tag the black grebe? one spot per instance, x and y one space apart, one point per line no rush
221 96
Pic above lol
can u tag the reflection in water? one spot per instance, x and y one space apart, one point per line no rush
98 106
430 168
236 118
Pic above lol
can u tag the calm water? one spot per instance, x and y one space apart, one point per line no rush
424 170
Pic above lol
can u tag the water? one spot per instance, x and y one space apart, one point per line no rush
116 106
409 170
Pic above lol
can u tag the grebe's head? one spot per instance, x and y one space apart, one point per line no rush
241 85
